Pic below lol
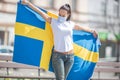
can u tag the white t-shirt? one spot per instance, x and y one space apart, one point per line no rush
62 33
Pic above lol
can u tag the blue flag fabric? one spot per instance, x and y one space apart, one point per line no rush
34 43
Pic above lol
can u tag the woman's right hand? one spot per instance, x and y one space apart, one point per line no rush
25 2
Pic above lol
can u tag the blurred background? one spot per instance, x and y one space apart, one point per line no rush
101 15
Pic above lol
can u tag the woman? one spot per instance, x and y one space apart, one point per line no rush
62 57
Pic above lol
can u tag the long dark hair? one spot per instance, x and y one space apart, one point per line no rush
68 9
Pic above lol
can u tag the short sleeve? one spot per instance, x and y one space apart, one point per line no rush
52 22
72 24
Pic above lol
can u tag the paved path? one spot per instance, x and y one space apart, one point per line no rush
33 72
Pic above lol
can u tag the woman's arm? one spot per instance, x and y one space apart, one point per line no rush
77 27
43 14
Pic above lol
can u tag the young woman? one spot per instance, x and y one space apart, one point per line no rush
62 57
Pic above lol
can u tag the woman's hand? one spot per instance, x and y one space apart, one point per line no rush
95 34
25 2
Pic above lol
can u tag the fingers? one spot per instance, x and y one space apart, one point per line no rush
25 2
95 34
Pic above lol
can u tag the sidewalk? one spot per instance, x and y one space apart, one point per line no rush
105 75
29 72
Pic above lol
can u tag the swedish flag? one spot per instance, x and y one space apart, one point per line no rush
34 43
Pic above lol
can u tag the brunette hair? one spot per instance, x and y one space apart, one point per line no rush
68 9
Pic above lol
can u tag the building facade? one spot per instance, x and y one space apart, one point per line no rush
102 15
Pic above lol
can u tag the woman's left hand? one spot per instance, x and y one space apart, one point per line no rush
95 34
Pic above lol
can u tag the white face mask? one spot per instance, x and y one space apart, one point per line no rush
61 19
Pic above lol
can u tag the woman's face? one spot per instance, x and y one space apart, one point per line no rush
63 13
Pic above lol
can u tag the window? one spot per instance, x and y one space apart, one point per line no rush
31 1
115 10
117 0
74 5
103 8
51 2
41 3
2 34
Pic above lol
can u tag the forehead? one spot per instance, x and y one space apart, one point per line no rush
63 11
